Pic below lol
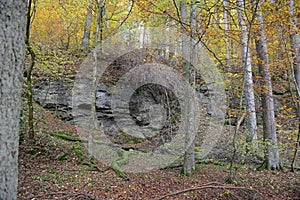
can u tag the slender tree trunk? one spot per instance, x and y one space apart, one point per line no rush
246 62
93 117
192 80
99 22
270 136
226 28
29 74
87 29
189 101
12 52
295 44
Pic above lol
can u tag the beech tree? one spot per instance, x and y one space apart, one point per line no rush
12 52
269 127
226 29
29 72
87 28
251 123
99 21
188 51
295 44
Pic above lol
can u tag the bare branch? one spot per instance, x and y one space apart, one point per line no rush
205 187
127 16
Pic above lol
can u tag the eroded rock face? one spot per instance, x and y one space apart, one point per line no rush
55 96
149 107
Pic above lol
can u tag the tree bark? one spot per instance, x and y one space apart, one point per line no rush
295 44
29 74
270 136
226 28
87 29
246 63
189 104
99 22
12 52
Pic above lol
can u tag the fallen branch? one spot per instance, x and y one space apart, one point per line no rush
205 186
179 165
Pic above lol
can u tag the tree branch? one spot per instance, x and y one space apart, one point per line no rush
205 186
124 20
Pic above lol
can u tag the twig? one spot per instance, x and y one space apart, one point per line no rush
177 10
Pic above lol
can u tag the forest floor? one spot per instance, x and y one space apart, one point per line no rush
54 168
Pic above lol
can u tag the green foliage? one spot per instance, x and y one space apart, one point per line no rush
116 164
78 151
199 166
66 136
262 167
31 152
190 175
64 156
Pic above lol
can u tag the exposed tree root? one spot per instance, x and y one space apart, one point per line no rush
67 137
266 166
77 139
118 162
115 165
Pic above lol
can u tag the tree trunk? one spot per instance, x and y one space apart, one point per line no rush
295 44
226 28
87 29
93 117
189 101
270 136
246 62
29 74
99 22
12 51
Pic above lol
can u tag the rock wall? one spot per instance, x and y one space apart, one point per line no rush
148 108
